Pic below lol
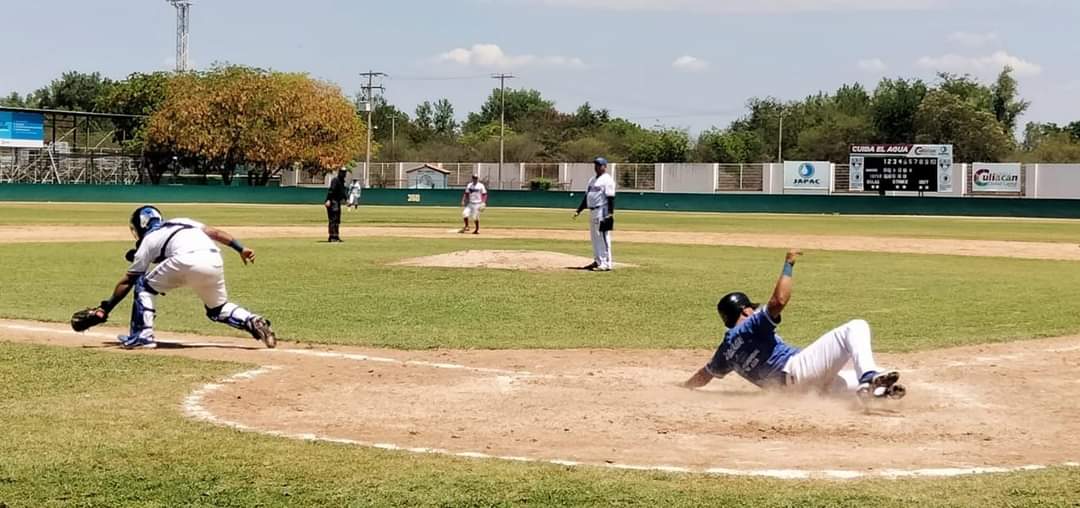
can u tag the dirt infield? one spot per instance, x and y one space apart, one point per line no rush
972 409
990 248
525 260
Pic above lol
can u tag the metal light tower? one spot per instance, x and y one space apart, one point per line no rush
183 10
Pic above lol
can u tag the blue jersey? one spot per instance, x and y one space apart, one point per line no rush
754 351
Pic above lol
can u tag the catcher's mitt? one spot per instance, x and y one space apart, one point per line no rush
87 318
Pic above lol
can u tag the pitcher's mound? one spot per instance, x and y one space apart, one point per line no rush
530 260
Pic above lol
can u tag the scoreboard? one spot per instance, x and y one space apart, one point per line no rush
915 168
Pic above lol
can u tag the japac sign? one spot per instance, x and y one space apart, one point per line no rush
21 129
807 175
987 177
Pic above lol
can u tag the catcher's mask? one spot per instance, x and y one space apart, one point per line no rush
143 220
731 306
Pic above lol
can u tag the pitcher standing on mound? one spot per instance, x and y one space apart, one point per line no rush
600 200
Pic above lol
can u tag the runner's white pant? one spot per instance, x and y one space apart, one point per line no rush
204 273
601 241
472 211
821 365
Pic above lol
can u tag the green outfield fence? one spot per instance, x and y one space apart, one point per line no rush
745 203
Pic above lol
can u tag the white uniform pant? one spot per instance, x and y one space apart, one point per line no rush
821 365
601 241
204 273
472 211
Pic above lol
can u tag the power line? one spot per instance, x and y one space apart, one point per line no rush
439 78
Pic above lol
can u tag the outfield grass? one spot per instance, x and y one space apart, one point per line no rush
495 217
85 428
346 294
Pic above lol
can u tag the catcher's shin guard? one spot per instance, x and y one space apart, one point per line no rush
142 311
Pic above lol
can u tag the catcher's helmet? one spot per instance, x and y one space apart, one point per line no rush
731 306
144 219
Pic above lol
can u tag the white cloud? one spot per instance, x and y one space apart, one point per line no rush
689 63
873 65
492 56
743 6
980 65
972 39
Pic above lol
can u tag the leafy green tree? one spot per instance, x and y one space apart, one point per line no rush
442 118
1054 147
1006 102
140 94
894 105
726 146
75 91
947 118
968 89
520 106
13 100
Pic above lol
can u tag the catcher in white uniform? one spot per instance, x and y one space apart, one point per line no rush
184 254
600 200
474 201
752 349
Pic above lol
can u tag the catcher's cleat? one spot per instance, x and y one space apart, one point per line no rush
260 329
875 385
128 342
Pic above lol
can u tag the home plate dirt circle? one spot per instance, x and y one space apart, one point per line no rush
969 410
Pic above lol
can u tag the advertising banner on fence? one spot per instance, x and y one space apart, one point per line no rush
807 175
22 130
986 177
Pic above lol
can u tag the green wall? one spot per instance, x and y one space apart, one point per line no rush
746 203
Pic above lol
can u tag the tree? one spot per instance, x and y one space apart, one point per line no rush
140 94
520 106
1006 102
895 102
585 149
13 100
947 118
661 145
1054 147
968 89
442 118
75 91
424 122
726 146
239 116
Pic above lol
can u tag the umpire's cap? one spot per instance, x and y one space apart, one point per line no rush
731 306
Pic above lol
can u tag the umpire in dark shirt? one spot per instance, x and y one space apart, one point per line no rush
338 192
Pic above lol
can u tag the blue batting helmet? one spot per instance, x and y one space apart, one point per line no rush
144 219
600 161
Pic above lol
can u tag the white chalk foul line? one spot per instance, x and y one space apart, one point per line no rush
418 363
194 408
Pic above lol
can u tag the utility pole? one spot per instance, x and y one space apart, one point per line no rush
369 106
393 137
780 142
183 28
502 119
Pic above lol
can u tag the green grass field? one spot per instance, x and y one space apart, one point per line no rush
86 428
494 217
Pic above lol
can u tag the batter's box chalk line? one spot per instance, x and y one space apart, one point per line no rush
194 408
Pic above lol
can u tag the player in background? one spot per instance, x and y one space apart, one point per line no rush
474 201
752 349
184 254
600 200
354 194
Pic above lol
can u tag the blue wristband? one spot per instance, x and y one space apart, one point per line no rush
789 267
236 246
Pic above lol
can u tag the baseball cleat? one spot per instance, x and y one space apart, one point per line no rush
260 329
476 232
128 342
591 266
463 230
881 385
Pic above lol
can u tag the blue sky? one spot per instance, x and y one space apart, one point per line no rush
681 63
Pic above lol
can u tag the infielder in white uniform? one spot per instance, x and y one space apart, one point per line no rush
354 195
752 349
183 254
475 201
600 200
